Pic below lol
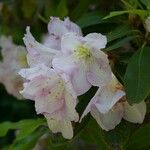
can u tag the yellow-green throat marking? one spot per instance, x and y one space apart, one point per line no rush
82 52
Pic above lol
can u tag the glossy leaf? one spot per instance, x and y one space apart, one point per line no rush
62 9
146 3
120 32
25 127
92 134
28 142
137 76
132 11
120 43
140 138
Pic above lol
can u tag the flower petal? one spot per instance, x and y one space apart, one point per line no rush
72 27
95 40
107 98
79 81
135 113
38 52
40 69
52 41
65 127
70 107
98 75
109 120
76 71
69 43
58 27
64 64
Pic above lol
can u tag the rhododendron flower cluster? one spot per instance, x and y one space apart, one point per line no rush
13 59
65 66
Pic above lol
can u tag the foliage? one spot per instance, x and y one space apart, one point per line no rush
128 49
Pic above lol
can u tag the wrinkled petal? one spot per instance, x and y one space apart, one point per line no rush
79 81
76 72
135 113
40 69
52 41
72 27
64 64
98 75
65 127
106 98
58 27
38 52
109 120
95 40
69 43
70 107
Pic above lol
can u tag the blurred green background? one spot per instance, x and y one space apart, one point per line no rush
15 15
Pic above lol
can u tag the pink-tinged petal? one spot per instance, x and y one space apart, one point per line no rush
38 52
63 126
31 88
76 71
51 97
40 69
52 41
95 40
64 64
109 120
135 113
70 104
47 105
70 42
56 27
68 86
72 27
107 98
79 81
98 75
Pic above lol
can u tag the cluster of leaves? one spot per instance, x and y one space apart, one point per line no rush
129 53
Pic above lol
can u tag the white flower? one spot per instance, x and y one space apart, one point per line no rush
54 97
37 53
108 111
44 53
57 28
83 60
14 58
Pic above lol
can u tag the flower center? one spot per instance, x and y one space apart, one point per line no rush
22 59
82 52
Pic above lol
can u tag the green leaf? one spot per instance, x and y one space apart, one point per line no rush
92 134
140 138
90 19
28 142
62 9
28 8
120 32
81 8
119 136
146 3
25 127
139 12
137 76
120 43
